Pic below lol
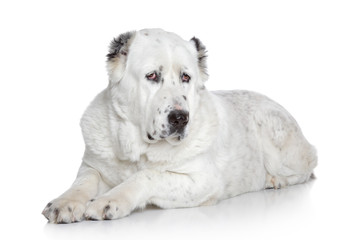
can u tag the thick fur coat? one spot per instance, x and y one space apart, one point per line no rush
157 136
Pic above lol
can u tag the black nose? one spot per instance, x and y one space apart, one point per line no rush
178 119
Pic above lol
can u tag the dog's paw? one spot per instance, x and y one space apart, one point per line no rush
275 182
105 208
64 211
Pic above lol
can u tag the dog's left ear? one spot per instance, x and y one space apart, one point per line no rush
117 56
202 58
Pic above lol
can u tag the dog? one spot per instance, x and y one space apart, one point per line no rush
157 136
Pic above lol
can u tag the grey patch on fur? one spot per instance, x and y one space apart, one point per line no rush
56 211
119 45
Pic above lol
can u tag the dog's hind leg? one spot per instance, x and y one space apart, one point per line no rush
288 158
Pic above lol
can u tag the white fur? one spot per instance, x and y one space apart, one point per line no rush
235 141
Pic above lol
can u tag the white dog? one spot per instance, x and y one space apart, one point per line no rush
155 135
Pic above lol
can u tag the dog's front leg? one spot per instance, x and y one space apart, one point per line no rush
165 189
71 205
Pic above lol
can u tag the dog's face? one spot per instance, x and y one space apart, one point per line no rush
156 78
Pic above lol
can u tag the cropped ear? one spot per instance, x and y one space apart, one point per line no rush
202 58
117 56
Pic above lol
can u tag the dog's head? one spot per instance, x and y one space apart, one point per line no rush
156 78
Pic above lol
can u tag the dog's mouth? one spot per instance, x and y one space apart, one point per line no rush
174 138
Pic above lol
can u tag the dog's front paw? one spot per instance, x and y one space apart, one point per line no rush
107 209
63 210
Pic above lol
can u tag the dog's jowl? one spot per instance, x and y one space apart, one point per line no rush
156 135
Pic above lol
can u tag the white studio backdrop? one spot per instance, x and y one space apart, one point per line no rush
303 54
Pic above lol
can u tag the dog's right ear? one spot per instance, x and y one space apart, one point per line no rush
117 56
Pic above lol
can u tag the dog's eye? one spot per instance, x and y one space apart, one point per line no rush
152 76
185 78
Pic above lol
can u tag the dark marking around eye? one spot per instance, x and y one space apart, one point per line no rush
153 76
184 97
162 125
185 78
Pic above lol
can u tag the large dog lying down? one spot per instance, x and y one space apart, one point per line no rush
155 135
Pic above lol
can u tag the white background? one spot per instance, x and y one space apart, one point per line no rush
303 54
